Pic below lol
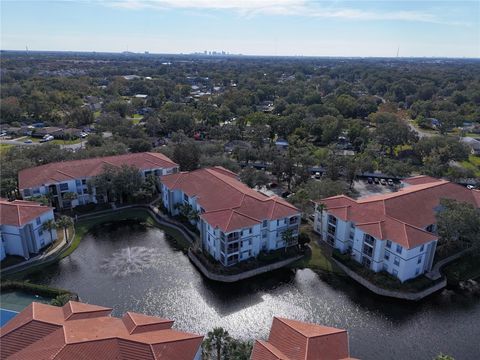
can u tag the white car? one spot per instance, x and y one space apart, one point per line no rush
83 135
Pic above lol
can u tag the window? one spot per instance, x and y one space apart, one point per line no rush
332 219
63 186
422 248
387 256
84 182
278 222
40 232
395 272
157 172
26 192
370 240
38 220
264 234
185 197
78 183
250 230
285 220
79 191
36 191
399 249
396 262
265 223
417 271
389 244
419 259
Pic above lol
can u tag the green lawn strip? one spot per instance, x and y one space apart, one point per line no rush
66 142
318 258
473 163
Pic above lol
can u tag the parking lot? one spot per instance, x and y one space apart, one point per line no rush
365 189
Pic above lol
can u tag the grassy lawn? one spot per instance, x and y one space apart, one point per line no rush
473 164
4 148
96 114
66 142
319 256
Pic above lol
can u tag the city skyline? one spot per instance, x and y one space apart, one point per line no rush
254 27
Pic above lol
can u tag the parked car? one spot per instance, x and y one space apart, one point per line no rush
383 182
317 175
28 141
47 138
376 181
470 187
390 182
83 135
370 180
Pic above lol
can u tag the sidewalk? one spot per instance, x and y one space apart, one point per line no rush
45 257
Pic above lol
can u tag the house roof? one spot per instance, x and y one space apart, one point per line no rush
77 169
401 216
228 203
19 212
89 332
296 340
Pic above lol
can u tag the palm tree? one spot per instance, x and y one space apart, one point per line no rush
65 222
217 340
49 225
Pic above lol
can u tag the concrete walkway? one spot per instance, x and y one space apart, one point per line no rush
435 273
45 257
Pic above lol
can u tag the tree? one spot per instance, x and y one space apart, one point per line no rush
288 238
95 140
458 222
315 190
303 239
393 133
187 155
60 300
64 222
253 177
217 342
238 350
49 226
443 357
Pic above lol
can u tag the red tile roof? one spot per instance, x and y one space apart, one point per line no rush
77 169
82 331
401 216
228 203
296 340
19 212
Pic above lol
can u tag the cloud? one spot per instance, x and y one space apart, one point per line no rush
250 8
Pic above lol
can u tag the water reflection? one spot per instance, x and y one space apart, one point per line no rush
169 286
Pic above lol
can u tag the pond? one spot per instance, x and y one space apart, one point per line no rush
134 268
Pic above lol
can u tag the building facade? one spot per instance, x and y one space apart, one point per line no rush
235 222
22 228
67 182
393 232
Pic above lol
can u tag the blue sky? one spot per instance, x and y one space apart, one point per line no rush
257 27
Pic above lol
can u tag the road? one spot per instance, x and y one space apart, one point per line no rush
20 142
